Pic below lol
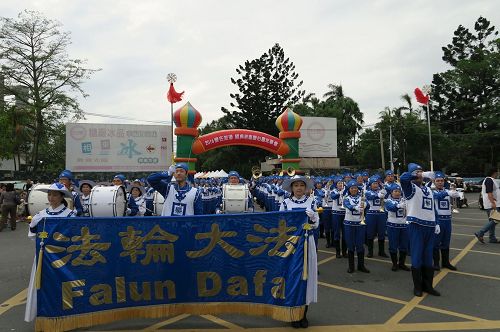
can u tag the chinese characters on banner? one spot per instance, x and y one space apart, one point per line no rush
120 263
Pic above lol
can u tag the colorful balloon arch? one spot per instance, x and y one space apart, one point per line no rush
187 119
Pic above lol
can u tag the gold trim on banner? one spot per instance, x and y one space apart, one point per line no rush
65 323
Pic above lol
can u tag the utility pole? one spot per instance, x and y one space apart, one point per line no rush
382 149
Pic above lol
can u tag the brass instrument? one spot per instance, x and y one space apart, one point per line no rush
276 171
290 171
256 172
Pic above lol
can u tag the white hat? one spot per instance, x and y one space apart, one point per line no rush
287 184
57 187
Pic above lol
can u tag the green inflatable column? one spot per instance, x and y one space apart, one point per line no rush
186 119
289 124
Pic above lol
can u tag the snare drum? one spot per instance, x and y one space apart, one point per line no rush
109 201
38 201
235 198
158 201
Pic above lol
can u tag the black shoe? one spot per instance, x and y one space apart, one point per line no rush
381 250
361 263
417 281
370 248
304 323
394 259
494 241
427 278
435 257
351 261
336 244
402 259
445 253
479 238
296 324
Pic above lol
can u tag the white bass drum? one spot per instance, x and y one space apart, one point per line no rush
235 198
158 201
108 201
38 201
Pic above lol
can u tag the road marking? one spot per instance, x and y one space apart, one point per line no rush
326 251
465 225
222 322
169 321
326 260
355 291
480 251
462 234
18 299
475 275
396 318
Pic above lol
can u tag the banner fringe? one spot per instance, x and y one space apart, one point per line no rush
66 323
38 273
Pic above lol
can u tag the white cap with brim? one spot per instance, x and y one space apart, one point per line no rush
57 187
287 184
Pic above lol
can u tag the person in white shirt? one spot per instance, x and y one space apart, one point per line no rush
56 195
299 187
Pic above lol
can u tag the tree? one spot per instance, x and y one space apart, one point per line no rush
266 86
466 98
40 74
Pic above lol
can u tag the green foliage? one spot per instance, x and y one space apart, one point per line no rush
40 75
344 109
466 98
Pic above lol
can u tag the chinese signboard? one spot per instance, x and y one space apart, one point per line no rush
318 137
92 147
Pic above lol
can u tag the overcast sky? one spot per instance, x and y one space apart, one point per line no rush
377 50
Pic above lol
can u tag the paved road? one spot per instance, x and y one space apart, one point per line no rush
381 300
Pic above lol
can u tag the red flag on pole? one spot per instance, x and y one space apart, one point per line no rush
174 96
421 98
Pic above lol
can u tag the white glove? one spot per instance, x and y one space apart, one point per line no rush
310 213
382 193
437 230
429 175
218 211
171 170
400 205
128 212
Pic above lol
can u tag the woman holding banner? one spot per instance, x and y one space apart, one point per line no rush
58 208
298 187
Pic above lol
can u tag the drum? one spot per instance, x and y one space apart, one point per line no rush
37 199
108 201
235 198
158 201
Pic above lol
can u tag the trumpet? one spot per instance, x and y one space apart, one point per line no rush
290 171
276 171
256 172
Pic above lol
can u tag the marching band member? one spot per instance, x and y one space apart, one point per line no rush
132 208
355 232
137 209
233 178
56 194
119 180
181 199
299 187
375 217
338 216
319 196
397 228
85 187
443 219
66 178
422 219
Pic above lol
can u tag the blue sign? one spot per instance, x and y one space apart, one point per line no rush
159 266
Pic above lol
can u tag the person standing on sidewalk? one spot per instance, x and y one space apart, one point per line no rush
490 194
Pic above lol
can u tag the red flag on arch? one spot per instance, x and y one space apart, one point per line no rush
174 96
421 98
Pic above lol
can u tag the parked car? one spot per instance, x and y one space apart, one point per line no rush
473 184
480 203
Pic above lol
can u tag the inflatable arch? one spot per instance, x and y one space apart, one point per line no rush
189 144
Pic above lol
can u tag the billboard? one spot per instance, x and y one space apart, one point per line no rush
97 147
318 137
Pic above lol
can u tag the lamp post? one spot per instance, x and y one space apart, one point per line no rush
390 140
427 90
